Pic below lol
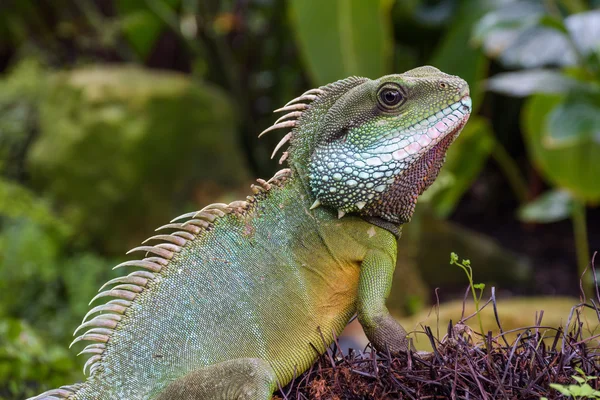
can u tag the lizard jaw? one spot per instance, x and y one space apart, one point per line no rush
358 180
398 202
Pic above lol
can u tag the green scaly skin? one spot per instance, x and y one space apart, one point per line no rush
235 302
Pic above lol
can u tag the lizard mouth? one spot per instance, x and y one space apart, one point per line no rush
433 159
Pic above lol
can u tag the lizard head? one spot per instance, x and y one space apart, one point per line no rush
373 146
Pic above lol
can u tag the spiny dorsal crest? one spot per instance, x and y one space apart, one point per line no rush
187 227
126 289
297 107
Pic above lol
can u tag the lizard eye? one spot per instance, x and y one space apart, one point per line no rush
390 97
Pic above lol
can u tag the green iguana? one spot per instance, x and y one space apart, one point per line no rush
241 296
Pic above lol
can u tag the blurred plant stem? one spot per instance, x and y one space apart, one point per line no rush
225 57
578 216
511 171
574 6
222 63
170 19
105 30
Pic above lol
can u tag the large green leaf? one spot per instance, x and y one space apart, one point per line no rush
528 82
339 38
455 55
552 206
574 121
522 34
575 165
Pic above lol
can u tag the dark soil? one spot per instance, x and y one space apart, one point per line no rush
463 365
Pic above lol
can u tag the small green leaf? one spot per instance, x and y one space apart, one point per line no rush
578 379
453 258
552 206
563 390
575 390
479 286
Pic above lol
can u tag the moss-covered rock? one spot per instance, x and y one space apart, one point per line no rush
121 149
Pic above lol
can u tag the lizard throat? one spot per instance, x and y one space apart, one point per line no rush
398 202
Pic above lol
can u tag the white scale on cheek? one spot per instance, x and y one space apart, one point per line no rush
374 161
386 157
399 154
424 140
433 133
413 148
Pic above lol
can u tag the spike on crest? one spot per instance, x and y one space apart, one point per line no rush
293 114
283 141
284 124
284 157
316 204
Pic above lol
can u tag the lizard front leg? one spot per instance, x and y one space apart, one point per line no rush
374 286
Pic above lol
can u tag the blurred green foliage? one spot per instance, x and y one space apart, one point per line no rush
557 47
97 149
343 38
141 137
38 272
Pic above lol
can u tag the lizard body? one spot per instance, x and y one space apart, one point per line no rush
243 297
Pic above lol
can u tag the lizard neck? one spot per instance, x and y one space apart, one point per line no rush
302 181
